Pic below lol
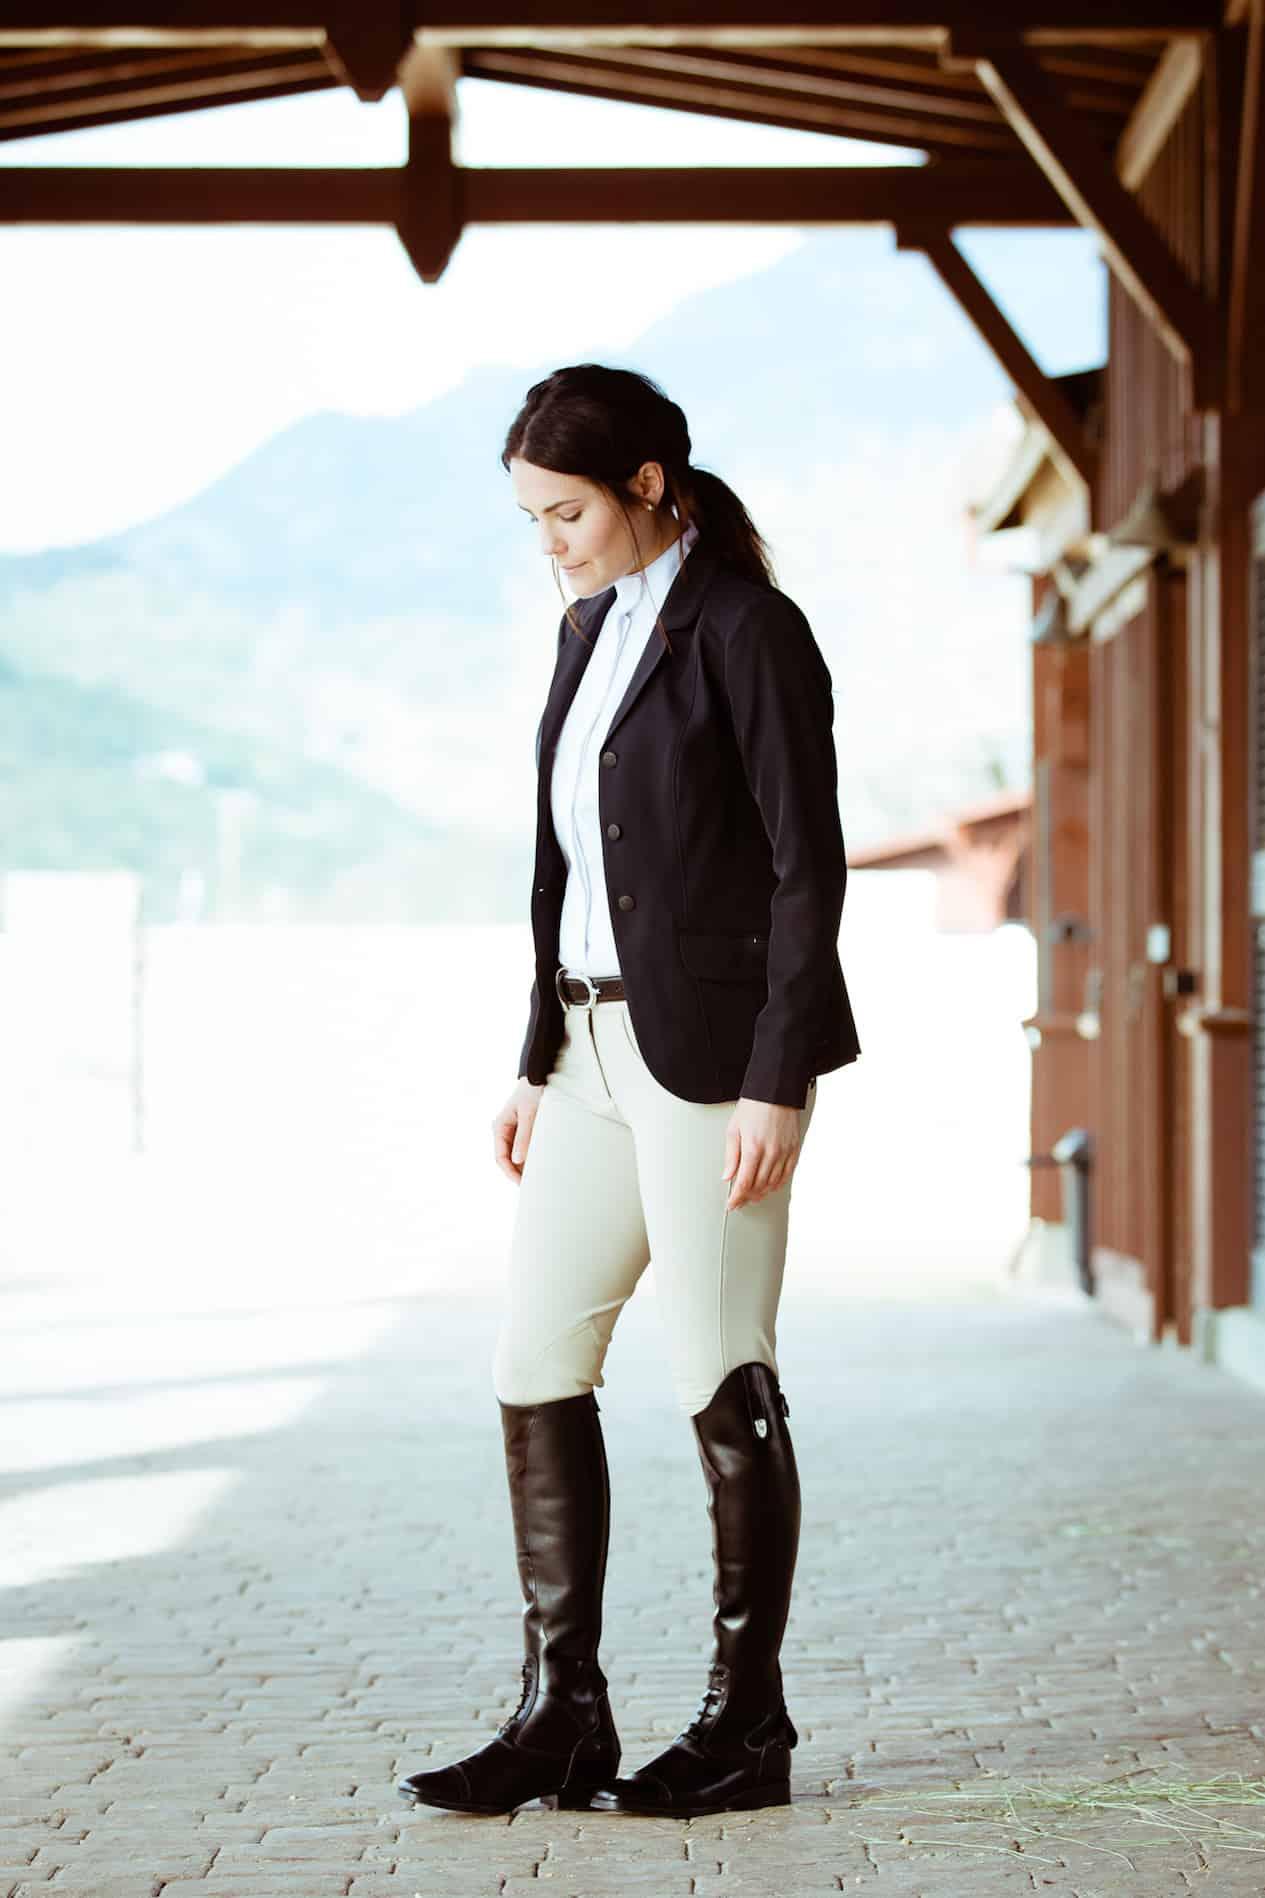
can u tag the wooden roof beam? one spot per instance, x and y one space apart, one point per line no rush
592 22
1245 318
1040 399
118 93
364 47
956 191
1158 109
833 110
431 212
1085 178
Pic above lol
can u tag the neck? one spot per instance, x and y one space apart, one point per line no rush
651 554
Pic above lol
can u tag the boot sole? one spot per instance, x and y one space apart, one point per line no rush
573 1797
774 1793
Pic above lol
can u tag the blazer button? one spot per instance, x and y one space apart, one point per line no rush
612 830
608 758
626 902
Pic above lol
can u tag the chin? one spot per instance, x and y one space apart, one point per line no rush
584 585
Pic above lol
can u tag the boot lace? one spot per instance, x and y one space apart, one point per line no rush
527 1671
708 1706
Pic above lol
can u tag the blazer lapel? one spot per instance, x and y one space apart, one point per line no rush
680 609
573 657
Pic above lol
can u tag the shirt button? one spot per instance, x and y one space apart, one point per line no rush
626 902
608 758
612 830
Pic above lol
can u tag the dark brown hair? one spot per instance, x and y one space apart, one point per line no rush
601 424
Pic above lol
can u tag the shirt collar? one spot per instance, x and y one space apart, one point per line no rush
658 576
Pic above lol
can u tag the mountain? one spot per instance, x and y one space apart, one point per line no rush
358 610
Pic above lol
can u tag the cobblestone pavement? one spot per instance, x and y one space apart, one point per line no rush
258 1564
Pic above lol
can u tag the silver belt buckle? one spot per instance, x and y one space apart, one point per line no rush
566 1001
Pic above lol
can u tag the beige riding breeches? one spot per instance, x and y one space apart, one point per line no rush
619 1173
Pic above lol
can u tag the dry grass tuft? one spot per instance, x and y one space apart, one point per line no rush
1023 1814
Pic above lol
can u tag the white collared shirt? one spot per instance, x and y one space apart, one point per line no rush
586 940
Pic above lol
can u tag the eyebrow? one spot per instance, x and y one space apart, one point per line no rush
553 504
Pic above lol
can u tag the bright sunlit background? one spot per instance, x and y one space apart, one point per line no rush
271 681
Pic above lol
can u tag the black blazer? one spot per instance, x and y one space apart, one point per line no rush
721 843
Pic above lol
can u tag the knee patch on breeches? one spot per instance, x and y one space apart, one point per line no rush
530 1369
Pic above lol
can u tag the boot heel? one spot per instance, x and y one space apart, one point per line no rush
579 1789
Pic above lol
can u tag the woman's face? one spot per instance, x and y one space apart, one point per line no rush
580 528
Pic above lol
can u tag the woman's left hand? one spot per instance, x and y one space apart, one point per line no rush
762 1143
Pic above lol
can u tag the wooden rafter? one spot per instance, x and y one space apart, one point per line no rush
364 48
432 207
1085 178
1245 321
963 191
828 90
726 88
1158 109
896 95
1040 399
562 22
71 94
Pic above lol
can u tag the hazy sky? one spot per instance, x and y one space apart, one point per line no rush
150 361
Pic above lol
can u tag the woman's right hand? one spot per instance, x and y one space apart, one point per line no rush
511 1129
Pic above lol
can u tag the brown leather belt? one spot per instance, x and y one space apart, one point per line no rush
584 990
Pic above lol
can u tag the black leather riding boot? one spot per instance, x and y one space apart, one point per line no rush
736 1752
560 1741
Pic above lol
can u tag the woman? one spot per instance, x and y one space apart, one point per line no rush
689 882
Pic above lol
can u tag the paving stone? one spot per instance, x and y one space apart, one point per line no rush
1031 1555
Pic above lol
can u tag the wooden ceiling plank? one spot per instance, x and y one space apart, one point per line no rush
1069 443
776 76
900 65
1159 108
796 111
52 113
988 191
1085 178
87 119
903 129
1125 68
113 75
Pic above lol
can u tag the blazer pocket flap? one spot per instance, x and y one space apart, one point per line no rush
725 955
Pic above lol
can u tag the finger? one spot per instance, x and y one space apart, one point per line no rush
504 1163
741 1188
781 1173
766 1162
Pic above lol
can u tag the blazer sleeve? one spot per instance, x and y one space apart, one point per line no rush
782 705
533 1012
533 1006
